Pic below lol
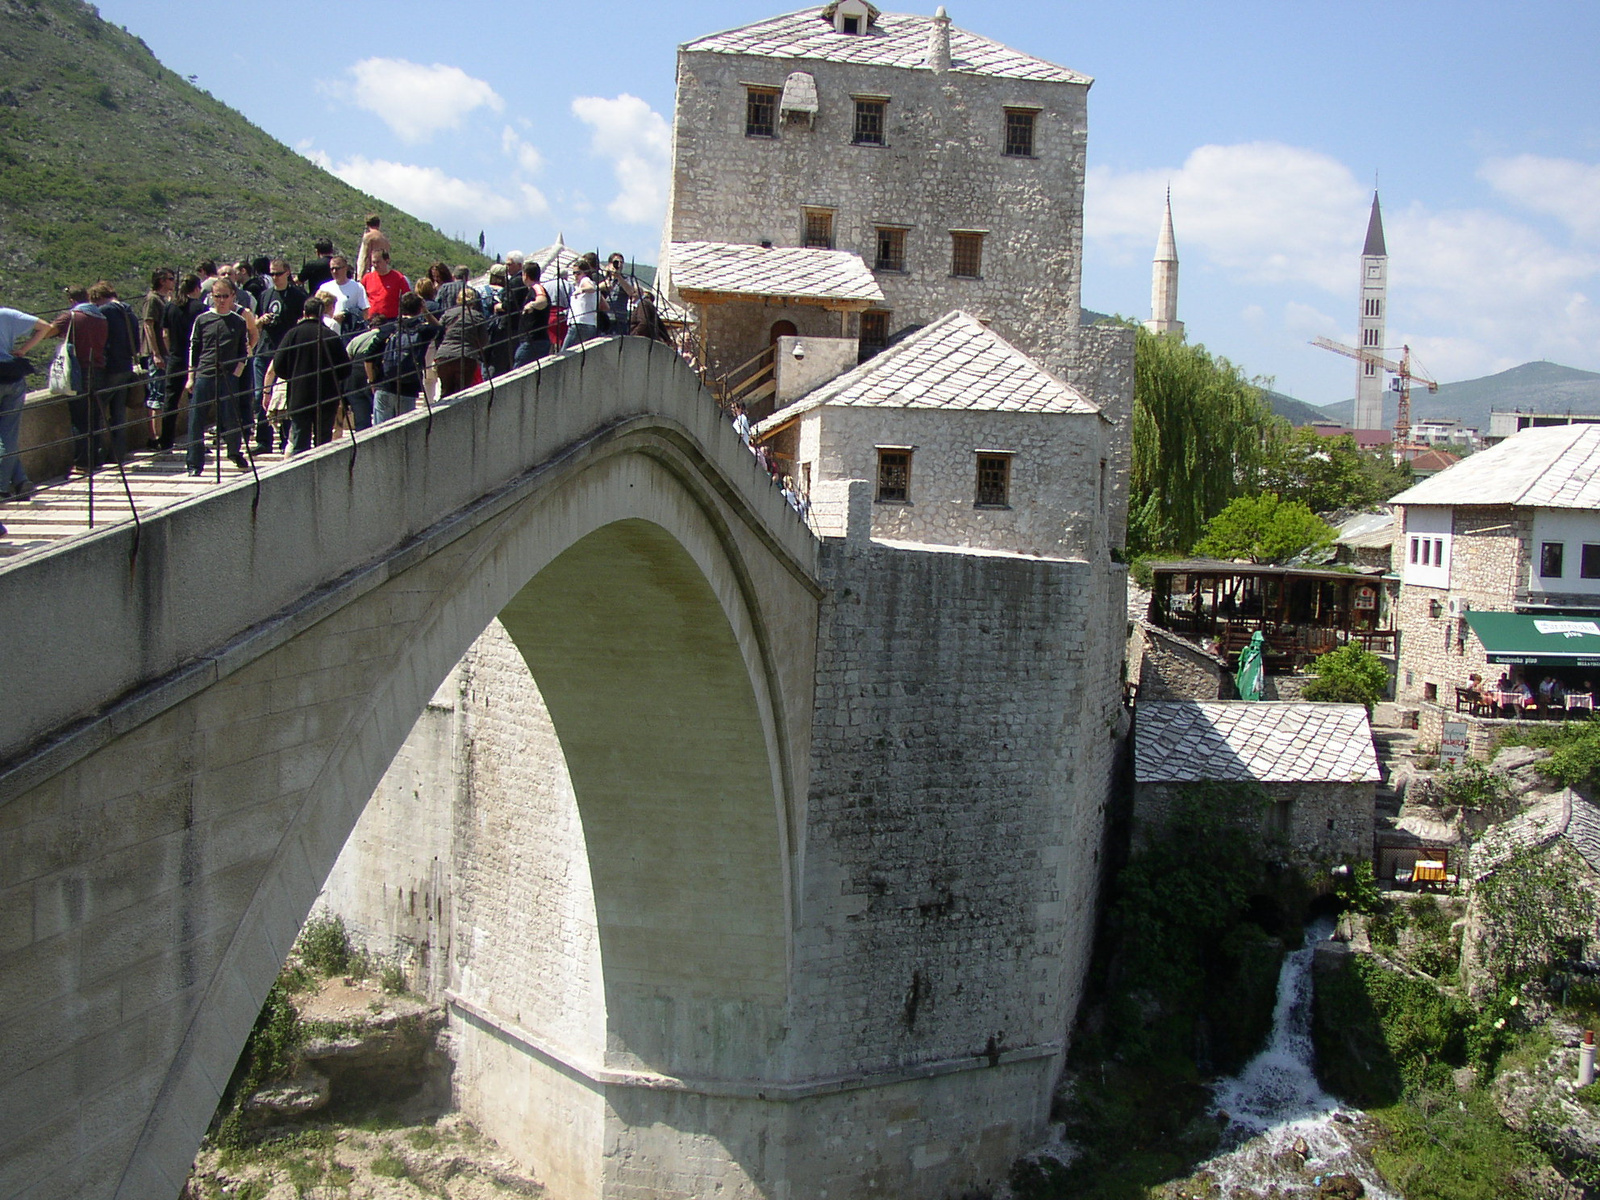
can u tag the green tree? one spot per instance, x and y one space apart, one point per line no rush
1198 431
1348 675
1326 473
1264 529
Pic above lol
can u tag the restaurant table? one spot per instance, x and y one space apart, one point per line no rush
1427 870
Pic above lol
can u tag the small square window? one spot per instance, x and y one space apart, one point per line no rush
1019 132
850 24
894 476
1430 693
1550 559
966 255
869 123
874 333
760 112
994 481
1589 568
819 229
891 254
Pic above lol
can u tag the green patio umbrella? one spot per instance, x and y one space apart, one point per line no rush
1248 678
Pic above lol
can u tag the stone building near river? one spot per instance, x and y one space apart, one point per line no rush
1314 763
948 163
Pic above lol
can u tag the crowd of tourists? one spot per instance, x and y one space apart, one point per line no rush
266 353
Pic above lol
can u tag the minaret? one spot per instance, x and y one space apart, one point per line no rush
1374 303
1164 280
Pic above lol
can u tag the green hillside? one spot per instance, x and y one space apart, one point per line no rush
110 165
1296 412
1537 386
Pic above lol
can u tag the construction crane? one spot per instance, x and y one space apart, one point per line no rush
1404 374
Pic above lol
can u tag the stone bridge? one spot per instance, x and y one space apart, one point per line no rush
195 723
749 865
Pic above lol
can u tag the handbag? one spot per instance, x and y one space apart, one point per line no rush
278 405
61 371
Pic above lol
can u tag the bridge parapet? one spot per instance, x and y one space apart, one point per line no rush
104 624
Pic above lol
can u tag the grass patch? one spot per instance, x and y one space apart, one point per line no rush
423 1139
390 1167
1136 1125
1446 1146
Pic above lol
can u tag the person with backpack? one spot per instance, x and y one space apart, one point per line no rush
312 359
462 340
116 383
535 326
397 367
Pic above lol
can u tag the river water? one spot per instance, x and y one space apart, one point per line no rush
1276 1103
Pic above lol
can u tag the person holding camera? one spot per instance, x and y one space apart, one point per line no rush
620 294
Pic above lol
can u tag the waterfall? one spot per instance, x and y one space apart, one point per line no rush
1276 1100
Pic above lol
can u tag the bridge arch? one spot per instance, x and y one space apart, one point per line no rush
634 571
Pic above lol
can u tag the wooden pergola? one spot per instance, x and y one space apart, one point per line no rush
1301 611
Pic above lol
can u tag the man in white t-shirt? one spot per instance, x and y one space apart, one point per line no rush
352 302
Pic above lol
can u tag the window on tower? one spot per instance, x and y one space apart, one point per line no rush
869 121
1369 337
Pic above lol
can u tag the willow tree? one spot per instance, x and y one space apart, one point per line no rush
1199 432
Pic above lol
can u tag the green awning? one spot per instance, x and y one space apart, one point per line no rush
1528 640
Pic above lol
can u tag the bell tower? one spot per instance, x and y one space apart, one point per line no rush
1374 310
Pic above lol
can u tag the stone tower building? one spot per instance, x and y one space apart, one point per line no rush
952 165
1374 305
1164 280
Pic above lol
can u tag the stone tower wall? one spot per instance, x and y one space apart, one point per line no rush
942 169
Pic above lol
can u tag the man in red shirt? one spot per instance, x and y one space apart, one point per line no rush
384 287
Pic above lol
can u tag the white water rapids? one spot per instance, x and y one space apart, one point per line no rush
1276 1101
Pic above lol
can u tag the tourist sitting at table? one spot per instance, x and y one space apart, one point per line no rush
1551 693
1503 684
1522 694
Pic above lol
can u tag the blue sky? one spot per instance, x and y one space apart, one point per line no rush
1480 121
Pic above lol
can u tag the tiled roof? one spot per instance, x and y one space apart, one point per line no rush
1553 467
1262 740
1565 815
1366 530
893 40
772 271
955 363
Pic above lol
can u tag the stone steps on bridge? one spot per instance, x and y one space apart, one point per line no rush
61 509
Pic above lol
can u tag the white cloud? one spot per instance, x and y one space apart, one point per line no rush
1559 187
414 100
1470 289
637 141
1262 211
429 193
526 154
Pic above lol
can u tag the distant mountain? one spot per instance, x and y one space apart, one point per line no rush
110 165
1296 412
1541 386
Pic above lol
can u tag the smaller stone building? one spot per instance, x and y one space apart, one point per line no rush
964 441
1314 762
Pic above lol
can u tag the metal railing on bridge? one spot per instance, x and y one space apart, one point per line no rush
126 478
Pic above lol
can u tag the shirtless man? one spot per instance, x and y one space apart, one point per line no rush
372 241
